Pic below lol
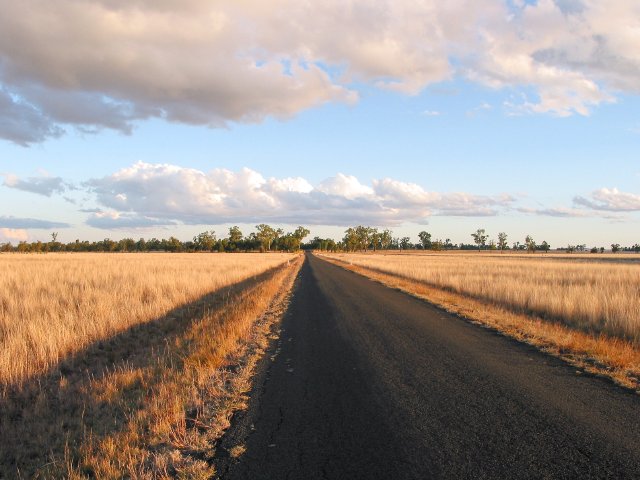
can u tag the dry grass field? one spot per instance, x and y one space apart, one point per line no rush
591 294
127 365
54 305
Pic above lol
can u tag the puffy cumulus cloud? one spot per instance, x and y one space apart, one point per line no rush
13 234
161 194
108 63
11 222
610 200
43 185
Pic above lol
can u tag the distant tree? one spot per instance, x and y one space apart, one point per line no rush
636 248
492 245
385 239
205 241
480 238
425 239
447 244
364 236
570 248
301 232
502 241
581 247
350 240
235 235
545 247
530 243
516 245
141 245
601 249
375 238
615 247
594 250
437 245
266 235
173 245
126 245
405 243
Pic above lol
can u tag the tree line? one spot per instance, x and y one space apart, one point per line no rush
265 239
365 238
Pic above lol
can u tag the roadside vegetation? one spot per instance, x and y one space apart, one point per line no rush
116 366
580 304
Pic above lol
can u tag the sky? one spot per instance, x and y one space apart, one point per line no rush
152 118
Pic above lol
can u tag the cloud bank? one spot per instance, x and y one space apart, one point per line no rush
11 222
100 64
42 185
148 194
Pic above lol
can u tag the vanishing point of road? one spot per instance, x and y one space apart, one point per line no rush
367 382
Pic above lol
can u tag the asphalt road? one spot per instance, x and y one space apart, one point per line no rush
369 383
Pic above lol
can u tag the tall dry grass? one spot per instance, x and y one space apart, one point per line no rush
592 295
54 305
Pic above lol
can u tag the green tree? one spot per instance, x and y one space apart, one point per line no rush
350 240
425 239
266 235
405 243
545 247
530 243
385 239
502 241
615 247
235 234
301 233
480 238
205 241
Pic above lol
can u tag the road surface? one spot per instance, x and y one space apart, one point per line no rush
367 382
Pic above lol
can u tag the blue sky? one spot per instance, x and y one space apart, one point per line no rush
527 130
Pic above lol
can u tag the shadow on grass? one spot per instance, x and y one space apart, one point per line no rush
60 407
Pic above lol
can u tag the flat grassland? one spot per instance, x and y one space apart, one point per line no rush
591 294
129 365
56 304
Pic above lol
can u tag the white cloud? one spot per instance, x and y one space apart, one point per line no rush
611 200
109 63
160 194
13 234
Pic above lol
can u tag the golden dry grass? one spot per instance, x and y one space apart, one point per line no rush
54 305
149 401
588 294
